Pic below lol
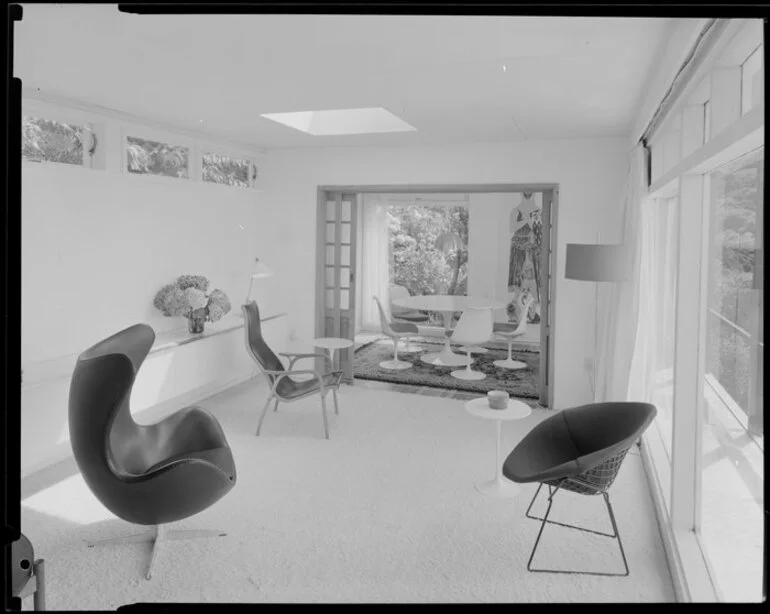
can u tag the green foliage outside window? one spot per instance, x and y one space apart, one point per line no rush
43 140
736 190
225 170
153 158
415 263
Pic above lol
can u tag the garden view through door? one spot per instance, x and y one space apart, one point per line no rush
428 249
336 274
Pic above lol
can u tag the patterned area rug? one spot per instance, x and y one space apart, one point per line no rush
522 383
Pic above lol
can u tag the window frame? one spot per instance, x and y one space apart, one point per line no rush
737 134
111 130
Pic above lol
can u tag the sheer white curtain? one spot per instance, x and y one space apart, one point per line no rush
375 257
653 357
619 311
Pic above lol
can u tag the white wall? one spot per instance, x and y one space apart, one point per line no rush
96 247
488 247
590 173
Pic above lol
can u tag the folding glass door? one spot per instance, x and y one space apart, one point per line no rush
335 279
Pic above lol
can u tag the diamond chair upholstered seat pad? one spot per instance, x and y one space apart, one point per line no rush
576 440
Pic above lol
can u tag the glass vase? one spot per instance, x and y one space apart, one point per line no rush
195 325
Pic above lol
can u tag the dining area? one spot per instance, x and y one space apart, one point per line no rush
448 292
449 341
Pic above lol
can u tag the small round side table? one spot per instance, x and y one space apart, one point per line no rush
331 344
498 487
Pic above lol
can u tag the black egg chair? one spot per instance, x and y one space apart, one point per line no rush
151 474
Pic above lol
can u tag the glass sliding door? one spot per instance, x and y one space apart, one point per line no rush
732 449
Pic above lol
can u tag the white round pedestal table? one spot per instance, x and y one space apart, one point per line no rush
330 344
447 305
499 486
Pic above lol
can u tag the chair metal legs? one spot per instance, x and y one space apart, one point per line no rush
545 521
158 536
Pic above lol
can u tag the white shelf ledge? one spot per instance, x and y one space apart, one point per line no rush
42 371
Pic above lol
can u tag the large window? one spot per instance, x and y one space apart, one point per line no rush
429 249
707 450
732 476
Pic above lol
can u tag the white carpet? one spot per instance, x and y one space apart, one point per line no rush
384 511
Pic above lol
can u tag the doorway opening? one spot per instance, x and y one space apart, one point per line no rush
476 244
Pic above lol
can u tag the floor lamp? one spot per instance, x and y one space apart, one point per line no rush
597 263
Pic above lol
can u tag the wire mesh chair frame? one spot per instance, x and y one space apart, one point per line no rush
595 481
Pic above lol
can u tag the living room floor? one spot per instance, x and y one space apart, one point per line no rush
384 511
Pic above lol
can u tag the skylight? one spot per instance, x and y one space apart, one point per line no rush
342 121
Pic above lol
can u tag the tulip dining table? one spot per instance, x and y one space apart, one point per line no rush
447 305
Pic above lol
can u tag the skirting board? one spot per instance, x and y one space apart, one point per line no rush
63 453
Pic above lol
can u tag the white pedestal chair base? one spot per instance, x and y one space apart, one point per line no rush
395 365
158 536
510 364
468 374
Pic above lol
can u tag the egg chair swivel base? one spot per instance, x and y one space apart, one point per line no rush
580 449
158 535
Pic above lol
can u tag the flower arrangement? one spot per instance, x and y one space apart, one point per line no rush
188 296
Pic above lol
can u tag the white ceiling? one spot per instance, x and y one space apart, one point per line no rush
565 77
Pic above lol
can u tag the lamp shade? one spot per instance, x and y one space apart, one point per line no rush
597 262
260 269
